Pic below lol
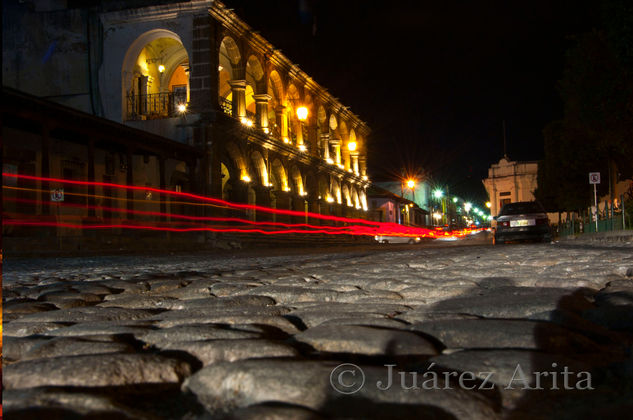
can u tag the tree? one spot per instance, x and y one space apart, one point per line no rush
596 132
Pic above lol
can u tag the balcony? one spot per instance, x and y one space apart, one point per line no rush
155 105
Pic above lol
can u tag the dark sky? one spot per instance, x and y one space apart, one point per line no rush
433 80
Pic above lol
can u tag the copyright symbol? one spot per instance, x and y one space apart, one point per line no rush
347 378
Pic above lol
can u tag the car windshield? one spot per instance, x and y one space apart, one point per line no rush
521 208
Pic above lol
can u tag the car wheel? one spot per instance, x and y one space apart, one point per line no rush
411 242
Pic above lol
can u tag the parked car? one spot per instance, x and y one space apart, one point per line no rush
397 239
524 220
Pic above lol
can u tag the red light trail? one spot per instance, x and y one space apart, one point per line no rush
189 223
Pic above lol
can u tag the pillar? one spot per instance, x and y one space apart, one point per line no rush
336 143
362 162
282 121
325 144
238 89
354 157
261 104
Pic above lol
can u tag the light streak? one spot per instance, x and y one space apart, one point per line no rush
350 227
193 196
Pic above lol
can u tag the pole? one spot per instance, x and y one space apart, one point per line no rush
595 203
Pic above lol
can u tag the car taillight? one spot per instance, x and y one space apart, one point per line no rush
505 224
541 221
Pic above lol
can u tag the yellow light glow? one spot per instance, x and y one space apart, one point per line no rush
340 165
411 183
365 178
246 178
286 140
437 216
302 113
161 68
329 199
246 122
182 108
330 161
302 148
351 146
488 204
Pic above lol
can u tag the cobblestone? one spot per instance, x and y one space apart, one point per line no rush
252 336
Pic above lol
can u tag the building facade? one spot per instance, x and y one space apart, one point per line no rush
205 104
509 182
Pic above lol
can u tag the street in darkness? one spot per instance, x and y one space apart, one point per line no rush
459 331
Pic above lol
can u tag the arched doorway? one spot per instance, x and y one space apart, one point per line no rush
155 77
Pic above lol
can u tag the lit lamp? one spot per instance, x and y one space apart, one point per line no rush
161 68
411 184
302 113
351 146
182 108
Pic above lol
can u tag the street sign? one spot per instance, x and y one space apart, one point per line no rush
594 177
57 194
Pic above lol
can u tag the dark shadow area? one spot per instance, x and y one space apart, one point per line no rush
608 363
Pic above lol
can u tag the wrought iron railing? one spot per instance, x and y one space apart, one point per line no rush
227 106
155 105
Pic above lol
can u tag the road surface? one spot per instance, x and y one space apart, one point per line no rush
440 329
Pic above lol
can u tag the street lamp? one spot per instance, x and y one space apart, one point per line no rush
302 113
438 194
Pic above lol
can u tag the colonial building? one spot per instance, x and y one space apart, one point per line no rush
509 181
204 104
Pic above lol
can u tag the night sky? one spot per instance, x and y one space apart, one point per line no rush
433 80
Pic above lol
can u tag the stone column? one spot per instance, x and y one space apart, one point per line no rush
336 143
362 161
238 89
282 121
355 163
261 107
325 144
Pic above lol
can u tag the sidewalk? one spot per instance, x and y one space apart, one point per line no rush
617 236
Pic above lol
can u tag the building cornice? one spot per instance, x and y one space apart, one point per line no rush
259 44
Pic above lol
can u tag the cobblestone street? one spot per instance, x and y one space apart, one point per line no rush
427 331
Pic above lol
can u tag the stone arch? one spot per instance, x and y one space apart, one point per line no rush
276 92
324 187
226 185
347 197
156 62
297 181
336 190
363 199
355 197
229 59
333 123
293 100
259 166
254 82
238 161
278 175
